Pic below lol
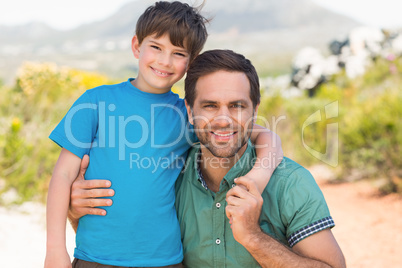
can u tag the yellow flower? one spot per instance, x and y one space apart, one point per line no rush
16 124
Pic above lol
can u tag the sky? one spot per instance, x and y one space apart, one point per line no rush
65 15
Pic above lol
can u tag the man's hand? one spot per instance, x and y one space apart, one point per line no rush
85 193
244 203
244 209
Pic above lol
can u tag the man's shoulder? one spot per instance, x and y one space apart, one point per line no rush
291 175
288 167
190 168
190 165
193 151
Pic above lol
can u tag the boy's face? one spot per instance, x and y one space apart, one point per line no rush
161 64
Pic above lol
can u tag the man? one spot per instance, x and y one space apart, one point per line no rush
226 222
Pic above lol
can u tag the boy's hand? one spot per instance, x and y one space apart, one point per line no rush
260 176
241 186
57 258
84 194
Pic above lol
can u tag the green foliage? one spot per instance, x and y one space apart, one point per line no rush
28 112
372 136
369 120
287 117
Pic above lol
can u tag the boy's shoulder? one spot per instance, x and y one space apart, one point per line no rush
106 88
112 92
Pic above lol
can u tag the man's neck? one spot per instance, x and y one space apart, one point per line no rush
214 168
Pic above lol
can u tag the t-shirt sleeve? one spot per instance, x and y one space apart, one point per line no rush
304 210
191 133
77 130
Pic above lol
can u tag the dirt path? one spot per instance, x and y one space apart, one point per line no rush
368 226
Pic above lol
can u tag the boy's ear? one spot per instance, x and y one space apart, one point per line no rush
189 113
135 47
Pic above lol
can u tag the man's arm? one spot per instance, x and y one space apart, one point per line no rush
84 196
244 207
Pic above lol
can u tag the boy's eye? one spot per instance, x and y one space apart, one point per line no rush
155 47
180 54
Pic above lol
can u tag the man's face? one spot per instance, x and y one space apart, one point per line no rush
223 113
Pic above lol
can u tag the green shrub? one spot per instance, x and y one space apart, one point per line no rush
369 124
372 136
28 112
369 119
287 116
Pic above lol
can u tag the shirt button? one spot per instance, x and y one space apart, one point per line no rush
233 185
218 241
218 205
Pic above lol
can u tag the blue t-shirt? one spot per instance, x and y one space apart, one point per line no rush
139 142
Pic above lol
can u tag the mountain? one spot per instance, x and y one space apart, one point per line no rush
267 31
22 33
262 15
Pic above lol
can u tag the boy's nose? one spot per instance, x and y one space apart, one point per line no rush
164 59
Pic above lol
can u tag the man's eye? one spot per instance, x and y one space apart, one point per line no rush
237 106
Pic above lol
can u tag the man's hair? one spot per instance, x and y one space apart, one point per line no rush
220 60
183 23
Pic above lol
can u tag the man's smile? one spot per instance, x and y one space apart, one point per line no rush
223 136
227 134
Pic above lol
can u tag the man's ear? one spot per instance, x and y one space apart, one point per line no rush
188 65
135 46
256 112
189 113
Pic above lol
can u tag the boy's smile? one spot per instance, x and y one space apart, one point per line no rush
161 64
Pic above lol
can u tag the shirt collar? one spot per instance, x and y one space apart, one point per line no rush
242 166
199 173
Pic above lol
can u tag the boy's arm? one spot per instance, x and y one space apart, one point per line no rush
85 196
64 173
269 152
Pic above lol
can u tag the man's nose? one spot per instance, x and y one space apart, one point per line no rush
223 118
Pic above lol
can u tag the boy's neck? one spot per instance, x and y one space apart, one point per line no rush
137 84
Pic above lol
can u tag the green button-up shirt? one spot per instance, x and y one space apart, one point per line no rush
293 209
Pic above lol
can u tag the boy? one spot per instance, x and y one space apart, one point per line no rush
116 125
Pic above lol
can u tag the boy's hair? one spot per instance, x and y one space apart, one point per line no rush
183 23
220 60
